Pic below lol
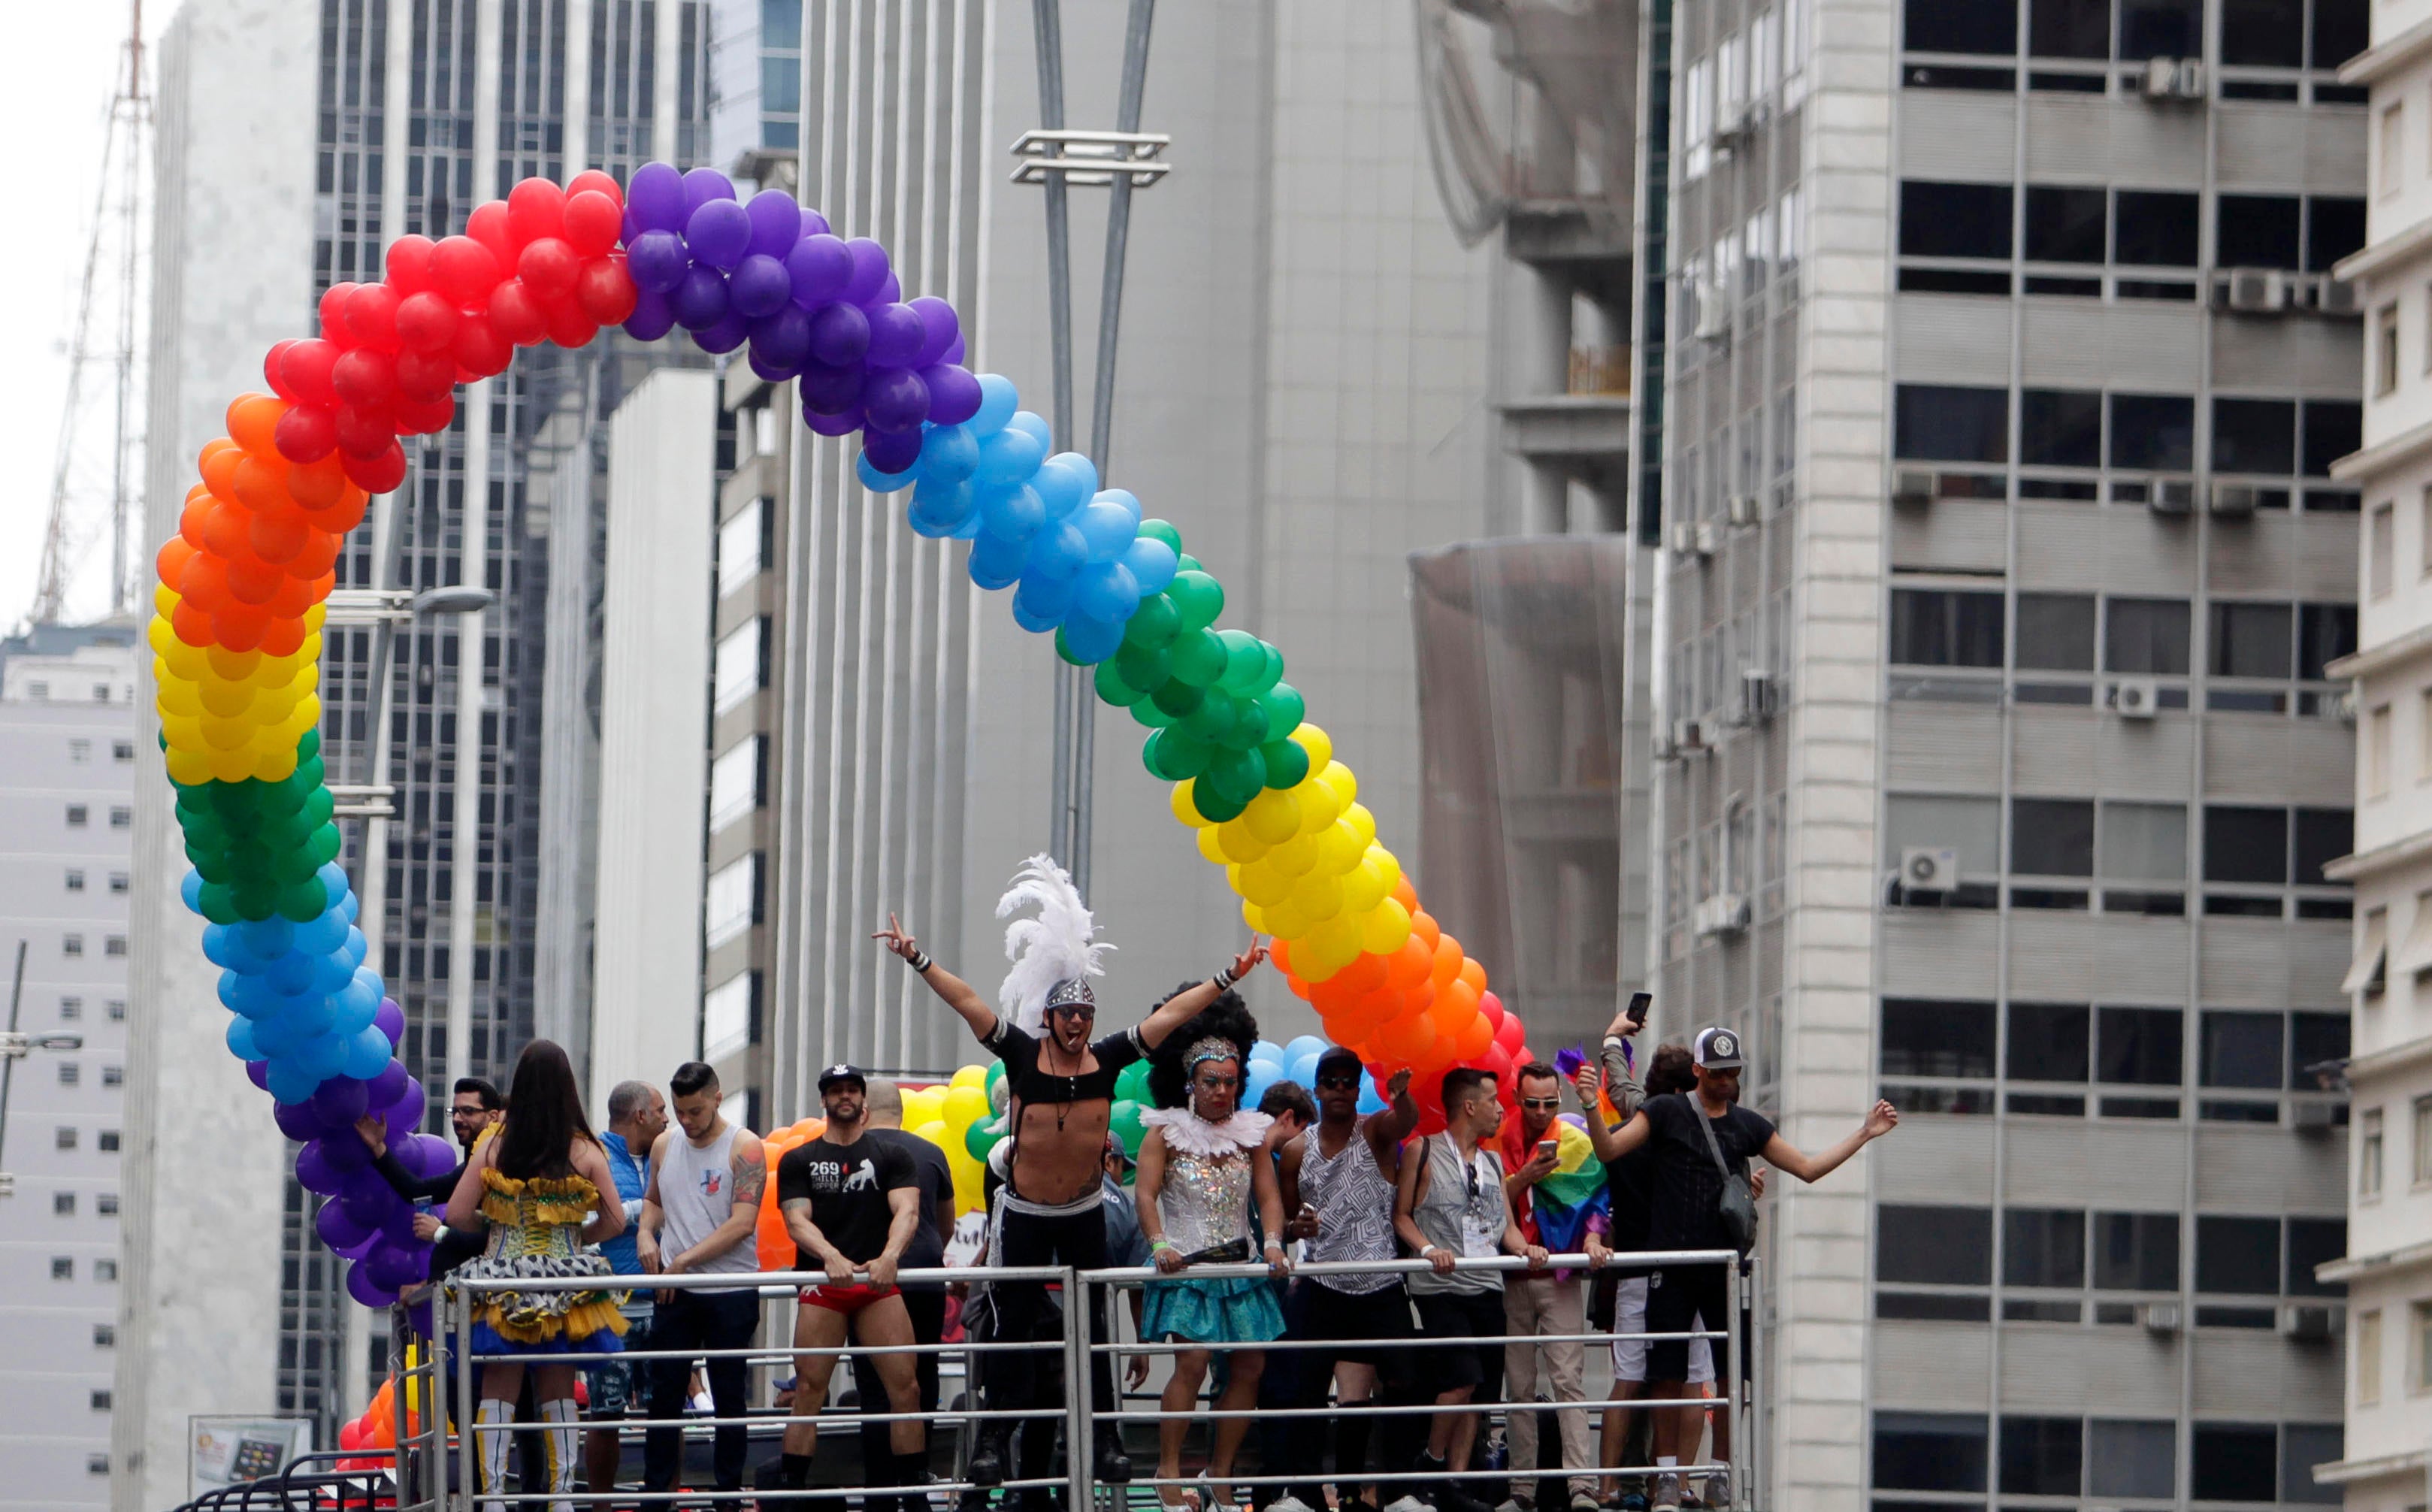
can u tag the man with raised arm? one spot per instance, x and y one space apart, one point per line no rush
1699 1139
1061 1092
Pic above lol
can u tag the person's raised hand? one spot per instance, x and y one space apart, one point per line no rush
373 1130
1248 960
896 940
427 1227
1398 1083
1883 1120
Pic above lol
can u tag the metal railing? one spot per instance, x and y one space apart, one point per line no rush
432 1470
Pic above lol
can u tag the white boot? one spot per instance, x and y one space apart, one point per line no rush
565 1437
493 1424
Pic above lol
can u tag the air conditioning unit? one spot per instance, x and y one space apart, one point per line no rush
1914 488
2158 1317
2135 697
1663 747
1759 695
2233 499
1929 869
2256 291
1693 538
2173 79
1709 537
1714 315
1688 737
1733 135
2336 297
2172 496
1723 913
2316 1117
2189 82
1744 510
2313 1322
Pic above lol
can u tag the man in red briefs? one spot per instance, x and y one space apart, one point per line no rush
852 1204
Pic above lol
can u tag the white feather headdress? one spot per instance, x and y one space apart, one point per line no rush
1047 951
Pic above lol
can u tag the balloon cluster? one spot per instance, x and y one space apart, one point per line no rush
944 1115
376 1428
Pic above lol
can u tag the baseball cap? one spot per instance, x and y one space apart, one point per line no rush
1717 1049
853 1073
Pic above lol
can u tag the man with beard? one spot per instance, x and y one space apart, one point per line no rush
1698 1139
1061 1091
851 1205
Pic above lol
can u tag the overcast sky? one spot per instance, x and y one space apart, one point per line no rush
66 61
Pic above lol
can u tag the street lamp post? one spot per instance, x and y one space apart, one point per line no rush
15 1047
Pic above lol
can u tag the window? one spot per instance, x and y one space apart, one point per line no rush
80 751
2332 428
2056 631
2254 435
114 945
76 880
1954 220
2139 1047
1940 1247
2369 1139
122 750
1990 27
1971 826
98 1398
1938 1038
107 1141
2334 229
733 902
114 1076
2381 550
71 1009
76 814
734 784
2137 1251
1944 627
2043 1246
106 1204
2145 842
2131 1458
2376 751
2049 1042
2145 636
2052 837
2235 1462
2161 29
2257 231
738 671
2065 225
120 816
741 545
2385 349
2070 28
2238 1256
2392 153
2042 1456
2419 1168
105 1270
96 1464
64 1137
2154 432
2365 1353
63 1267
71 945
2060 428
118 881
726 1015
2155 228
63 1205
2245 845
2325 633
105 1337
1932 423
2242 1049
2252 640
2324 836
117 1010
2312 1244
1929 1452
2318 1043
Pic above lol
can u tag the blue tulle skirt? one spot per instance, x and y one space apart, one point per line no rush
1241 1311
488 1340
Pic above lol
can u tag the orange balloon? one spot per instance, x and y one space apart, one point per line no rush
1450 1016
1405 893
1281 952
252 420
1448 962
218 466
1472 1039
1423 927
1367 972
1410 965
1461 994
261 485
1406 1039
1474 974
319 485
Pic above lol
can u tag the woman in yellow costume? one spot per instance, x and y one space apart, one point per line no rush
542 1180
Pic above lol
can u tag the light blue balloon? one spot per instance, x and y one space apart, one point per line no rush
333 878
1041 603
999 399
190 890
1009 457
240 1041
1308 1045
1087 469
1369 1099
222 947
322 935
291 973
1106 528
936 508
1091 640
356 948
321 1057
1011 511
1267 1050
1035 427
290 1082
350 907
276 1036
331 972
1064 482
969 528
996 563
249 995
948 453
1056 552
1261 1076
1151 562
878 483
1123 497
364 989
1302 1068
1105 591
266 938
366 1053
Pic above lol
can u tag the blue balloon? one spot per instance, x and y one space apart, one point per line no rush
1123 497
1042 603
331 972
356 948
321 1057
1085 468
1152 563
350 1017
322 935
1261 1076
1301 1045
1104 526
1105 591
190 890
936 508
291 973
1063 482
350 907
1057 551
268 938
1090 639
366 1053
1035 427
249 995
949 453
333 876
1007 457
999 399
290 1082
222 947
1267 1050
1302 1068
240 1041
363 990
1370 1100
969 528
996 563
878 483
1012 512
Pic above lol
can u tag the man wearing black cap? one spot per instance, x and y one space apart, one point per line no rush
851 1205
1701 1139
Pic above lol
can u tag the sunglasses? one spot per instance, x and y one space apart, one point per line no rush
1072 1009
1541 1103
1337 1083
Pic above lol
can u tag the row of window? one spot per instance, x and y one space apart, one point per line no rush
80 750
63 1205
103 1269
2127 1458
2370 1141
1990 629
2263 34
118 881
71 1010
72 945
39 690
2083 429
2365 1353
67 1135
72 1074
80 816
2094 226
2048 1249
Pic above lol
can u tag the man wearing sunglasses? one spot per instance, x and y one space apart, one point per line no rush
1549 1304
1061 1089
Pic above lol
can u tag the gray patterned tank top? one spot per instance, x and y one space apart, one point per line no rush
1355 1210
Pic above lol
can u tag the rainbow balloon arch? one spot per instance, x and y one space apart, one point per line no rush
240 602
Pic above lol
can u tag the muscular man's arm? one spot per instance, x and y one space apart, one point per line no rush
1182 1007
809 1240
1781 1153
750 1165
1409 1185
904 1220
957 994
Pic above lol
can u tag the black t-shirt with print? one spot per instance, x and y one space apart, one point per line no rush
1688 1187
847 1186
935 1180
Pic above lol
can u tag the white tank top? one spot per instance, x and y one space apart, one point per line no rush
697 1194
1355 1209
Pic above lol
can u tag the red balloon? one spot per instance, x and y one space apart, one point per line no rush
606 289
1512 1033
1499 1061
488 226
378 474
425 377
535 208
306 365
466 270
333 314
593 222
479 349
409 264
365 378
282 637
273 375
364 432
192 624
306 434
293 595
427 321
569 328
548 267
252 580
1492 1006
591 180
516 314
424 417
240 627
371 314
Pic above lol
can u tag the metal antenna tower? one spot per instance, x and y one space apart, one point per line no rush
117 202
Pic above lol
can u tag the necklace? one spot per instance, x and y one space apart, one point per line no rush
1071 1095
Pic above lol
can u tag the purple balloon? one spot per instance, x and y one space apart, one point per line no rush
771 372
394 1268
957 354
839 335
363 1289
725 336
830 390
940 329
897 401
390 1019
344 1152
718 233
405 1114
430 1155
890 290
336 1229
654 199
700 186
891 451
868 270
814 224
341 1100
314 1174
820 267
759 286
296 1120
782 339
701 301
776 222
657 260
396 1222
842 424
953 394
654 317
384 1089
257 1072
896 332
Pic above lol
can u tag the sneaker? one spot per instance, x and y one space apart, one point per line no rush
1633 1502
1410 1501
1585 1502
1288 1502
1666 1496
1719 1491
1516 1503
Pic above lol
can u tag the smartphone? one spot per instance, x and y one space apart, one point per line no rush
1638 1003
1548 1146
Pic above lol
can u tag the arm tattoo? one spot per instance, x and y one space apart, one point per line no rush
751 1177
794 1204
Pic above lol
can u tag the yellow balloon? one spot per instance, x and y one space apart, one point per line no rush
1385 929
1294 857
232 765
1339 848
228 663
1319 805
187 767
1274 816
226 733
972 1076
1255 918
1364 885
1262 883
1212 846
1235 838
225 698
178 697
1287 922
1318 896
1319 744
1358 816
158 635
1337 939
314 614
936 1132
1386 862
964 1104
1182 806
1340 777
922 1106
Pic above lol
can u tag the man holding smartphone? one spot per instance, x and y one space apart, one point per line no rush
1551 1303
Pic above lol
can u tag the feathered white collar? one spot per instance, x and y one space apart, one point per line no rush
1191 1135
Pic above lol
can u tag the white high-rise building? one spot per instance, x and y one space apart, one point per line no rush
67 784
2387 1266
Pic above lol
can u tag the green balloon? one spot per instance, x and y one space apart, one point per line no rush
219 903
309 745
1148 713
256 899
982 1137
1198 597
1249 725
1199 658
1287 762
1176 697
1124 1124
319 806
995 1077
1213 806
1235 774
1163 530
1274 672
1173 755
1185 562
1132 1084
1285 709
326 845
1144 667
1245 658
304 902
1214 719
1155 623
1108 679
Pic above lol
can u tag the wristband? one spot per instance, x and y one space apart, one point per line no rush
1272 1244
1224 978
440 1238
1155 1245
919 961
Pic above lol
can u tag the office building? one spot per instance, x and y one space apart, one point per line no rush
67 783
2389 1074
2003 388
294 144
